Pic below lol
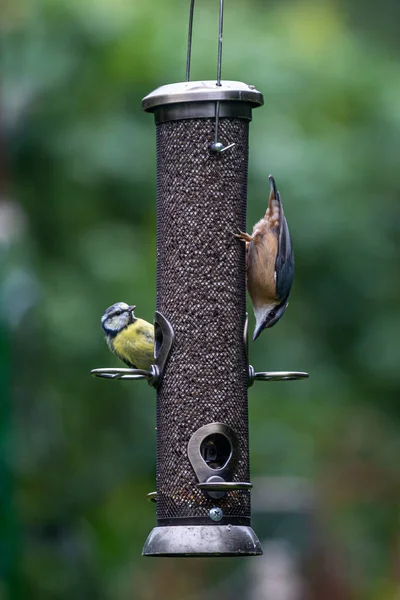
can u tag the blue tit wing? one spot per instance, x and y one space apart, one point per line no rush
284 264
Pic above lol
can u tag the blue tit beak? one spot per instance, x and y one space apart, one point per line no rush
131 315
271 319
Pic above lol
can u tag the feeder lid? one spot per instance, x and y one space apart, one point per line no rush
202 91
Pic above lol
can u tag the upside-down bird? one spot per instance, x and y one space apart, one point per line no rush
129 338
270 263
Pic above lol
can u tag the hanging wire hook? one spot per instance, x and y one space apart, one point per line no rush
190 37
220 27
189 44
218 146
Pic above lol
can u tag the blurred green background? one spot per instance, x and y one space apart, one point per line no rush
77 233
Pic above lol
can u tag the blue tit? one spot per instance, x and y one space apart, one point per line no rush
270 263
130 338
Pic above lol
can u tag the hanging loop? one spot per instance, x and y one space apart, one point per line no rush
217 146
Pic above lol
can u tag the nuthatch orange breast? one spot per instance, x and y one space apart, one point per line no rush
270 263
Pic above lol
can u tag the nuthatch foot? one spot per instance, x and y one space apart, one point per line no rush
270 263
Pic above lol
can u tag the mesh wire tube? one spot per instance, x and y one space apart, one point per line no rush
201 200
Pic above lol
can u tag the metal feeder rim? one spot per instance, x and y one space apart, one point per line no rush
202 540
202 91
224 486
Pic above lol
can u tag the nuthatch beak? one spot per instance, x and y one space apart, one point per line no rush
270 263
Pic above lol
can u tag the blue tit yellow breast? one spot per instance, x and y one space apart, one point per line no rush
135 344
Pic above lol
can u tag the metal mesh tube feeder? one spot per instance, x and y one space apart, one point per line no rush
203 498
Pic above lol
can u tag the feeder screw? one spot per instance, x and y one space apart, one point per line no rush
216 514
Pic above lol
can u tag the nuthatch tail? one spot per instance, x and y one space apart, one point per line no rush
270 263
130 338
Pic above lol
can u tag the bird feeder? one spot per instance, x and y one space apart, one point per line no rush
201 370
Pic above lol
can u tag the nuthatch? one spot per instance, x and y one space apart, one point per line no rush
270 263
131 339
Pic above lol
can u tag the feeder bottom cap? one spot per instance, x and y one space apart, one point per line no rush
202 540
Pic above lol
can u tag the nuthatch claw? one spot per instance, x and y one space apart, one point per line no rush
244 237
270 263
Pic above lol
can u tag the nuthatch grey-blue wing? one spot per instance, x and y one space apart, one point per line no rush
270 263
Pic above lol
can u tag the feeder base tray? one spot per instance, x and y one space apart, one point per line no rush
202 540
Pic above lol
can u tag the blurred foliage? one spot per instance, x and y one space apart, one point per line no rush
80 163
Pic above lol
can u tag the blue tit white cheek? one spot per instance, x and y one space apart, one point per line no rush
114 324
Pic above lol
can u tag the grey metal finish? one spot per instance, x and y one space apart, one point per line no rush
274 375
216 495
202 540
201 110
226 486
202 91
216 514
201 468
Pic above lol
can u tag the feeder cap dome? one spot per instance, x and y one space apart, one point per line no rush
202 91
